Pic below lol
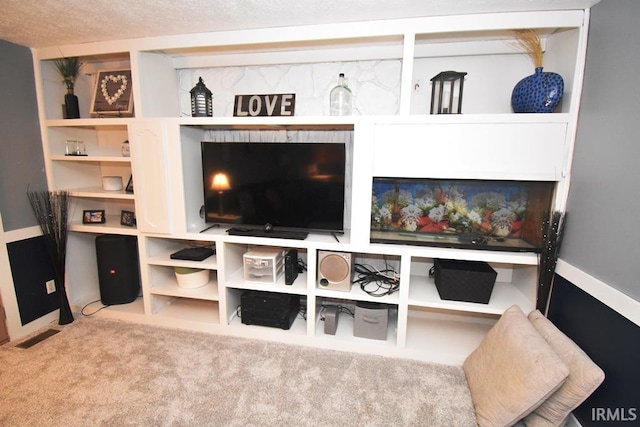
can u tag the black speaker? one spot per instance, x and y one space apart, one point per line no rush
118 268
290 266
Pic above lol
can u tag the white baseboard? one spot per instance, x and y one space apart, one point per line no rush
22 234
618 301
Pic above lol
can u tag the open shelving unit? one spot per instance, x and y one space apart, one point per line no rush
389 64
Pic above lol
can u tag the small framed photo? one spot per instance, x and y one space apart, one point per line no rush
129 187
93 217
128 218
112 94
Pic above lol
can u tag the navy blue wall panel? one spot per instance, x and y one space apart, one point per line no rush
31 268
613 343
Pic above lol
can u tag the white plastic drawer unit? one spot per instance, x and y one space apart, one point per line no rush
500 151
263 265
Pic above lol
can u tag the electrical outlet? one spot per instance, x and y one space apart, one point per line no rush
51 286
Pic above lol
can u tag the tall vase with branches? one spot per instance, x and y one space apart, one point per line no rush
69 68
51 210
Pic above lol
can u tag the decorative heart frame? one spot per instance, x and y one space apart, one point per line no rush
124 82
112 94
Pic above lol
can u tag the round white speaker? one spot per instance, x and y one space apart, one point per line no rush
334 270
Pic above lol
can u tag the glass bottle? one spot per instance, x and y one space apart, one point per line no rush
341 98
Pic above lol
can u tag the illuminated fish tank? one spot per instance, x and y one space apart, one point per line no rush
479 214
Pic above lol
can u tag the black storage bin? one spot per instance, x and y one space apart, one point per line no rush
469 281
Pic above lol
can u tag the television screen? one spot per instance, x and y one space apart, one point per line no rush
294 186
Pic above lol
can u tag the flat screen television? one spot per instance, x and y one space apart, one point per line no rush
284 185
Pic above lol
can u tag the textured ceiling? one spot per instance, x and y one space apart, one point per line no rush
43 23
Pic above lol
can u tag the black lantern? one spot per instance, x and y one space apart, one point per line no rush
201 100
446 92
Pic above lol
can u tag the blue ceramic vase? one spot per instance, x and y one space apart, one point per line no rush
540 92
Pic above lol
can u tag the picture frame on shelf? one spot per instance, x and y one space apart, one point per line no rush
129 187
112 95
128 218
93 216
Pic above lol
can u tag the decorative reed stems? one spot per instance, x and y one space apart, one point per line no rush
553 232
51 211
529 41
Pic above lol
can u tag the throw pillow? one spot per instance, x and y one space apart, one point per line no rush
584 377
512 371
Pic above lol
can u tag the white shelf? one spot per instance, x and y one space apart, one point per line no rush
111 226
191 311
99 193
357 294
519 258
207 292
90 159
442 338
257 123
423 293
349 122
210 263
93 123
299 286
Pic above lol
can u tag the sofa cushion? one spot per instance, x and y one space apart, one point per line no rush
512 371
584 376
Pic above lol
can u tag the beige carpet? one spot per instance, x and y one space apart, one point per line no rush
99 372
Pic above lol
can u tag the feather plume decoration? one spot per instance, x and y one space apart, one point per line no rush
529 41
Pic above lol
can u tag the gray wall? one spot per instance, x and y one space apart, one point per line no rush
603 215
21 159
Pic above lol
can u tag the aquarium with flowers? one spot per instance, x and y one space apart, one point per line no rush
495 215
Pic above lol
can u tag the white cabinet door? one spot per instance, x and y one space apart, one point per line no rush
151 172
497 151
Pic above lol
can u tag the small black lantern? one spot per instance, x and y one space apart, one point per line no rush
201 100
446 92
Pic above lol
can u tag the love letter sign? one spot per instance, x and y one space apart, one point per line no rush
282 104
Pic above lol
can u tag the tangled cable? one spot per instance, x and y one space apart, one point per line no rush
376 282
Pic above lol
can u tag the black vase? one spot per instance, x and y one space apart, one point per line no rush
66 315
71 109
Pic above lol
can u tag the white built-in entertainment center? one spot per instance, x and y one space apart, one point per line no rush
389 65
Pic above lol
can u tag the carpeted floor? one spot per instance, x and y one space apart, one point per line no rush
99 372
